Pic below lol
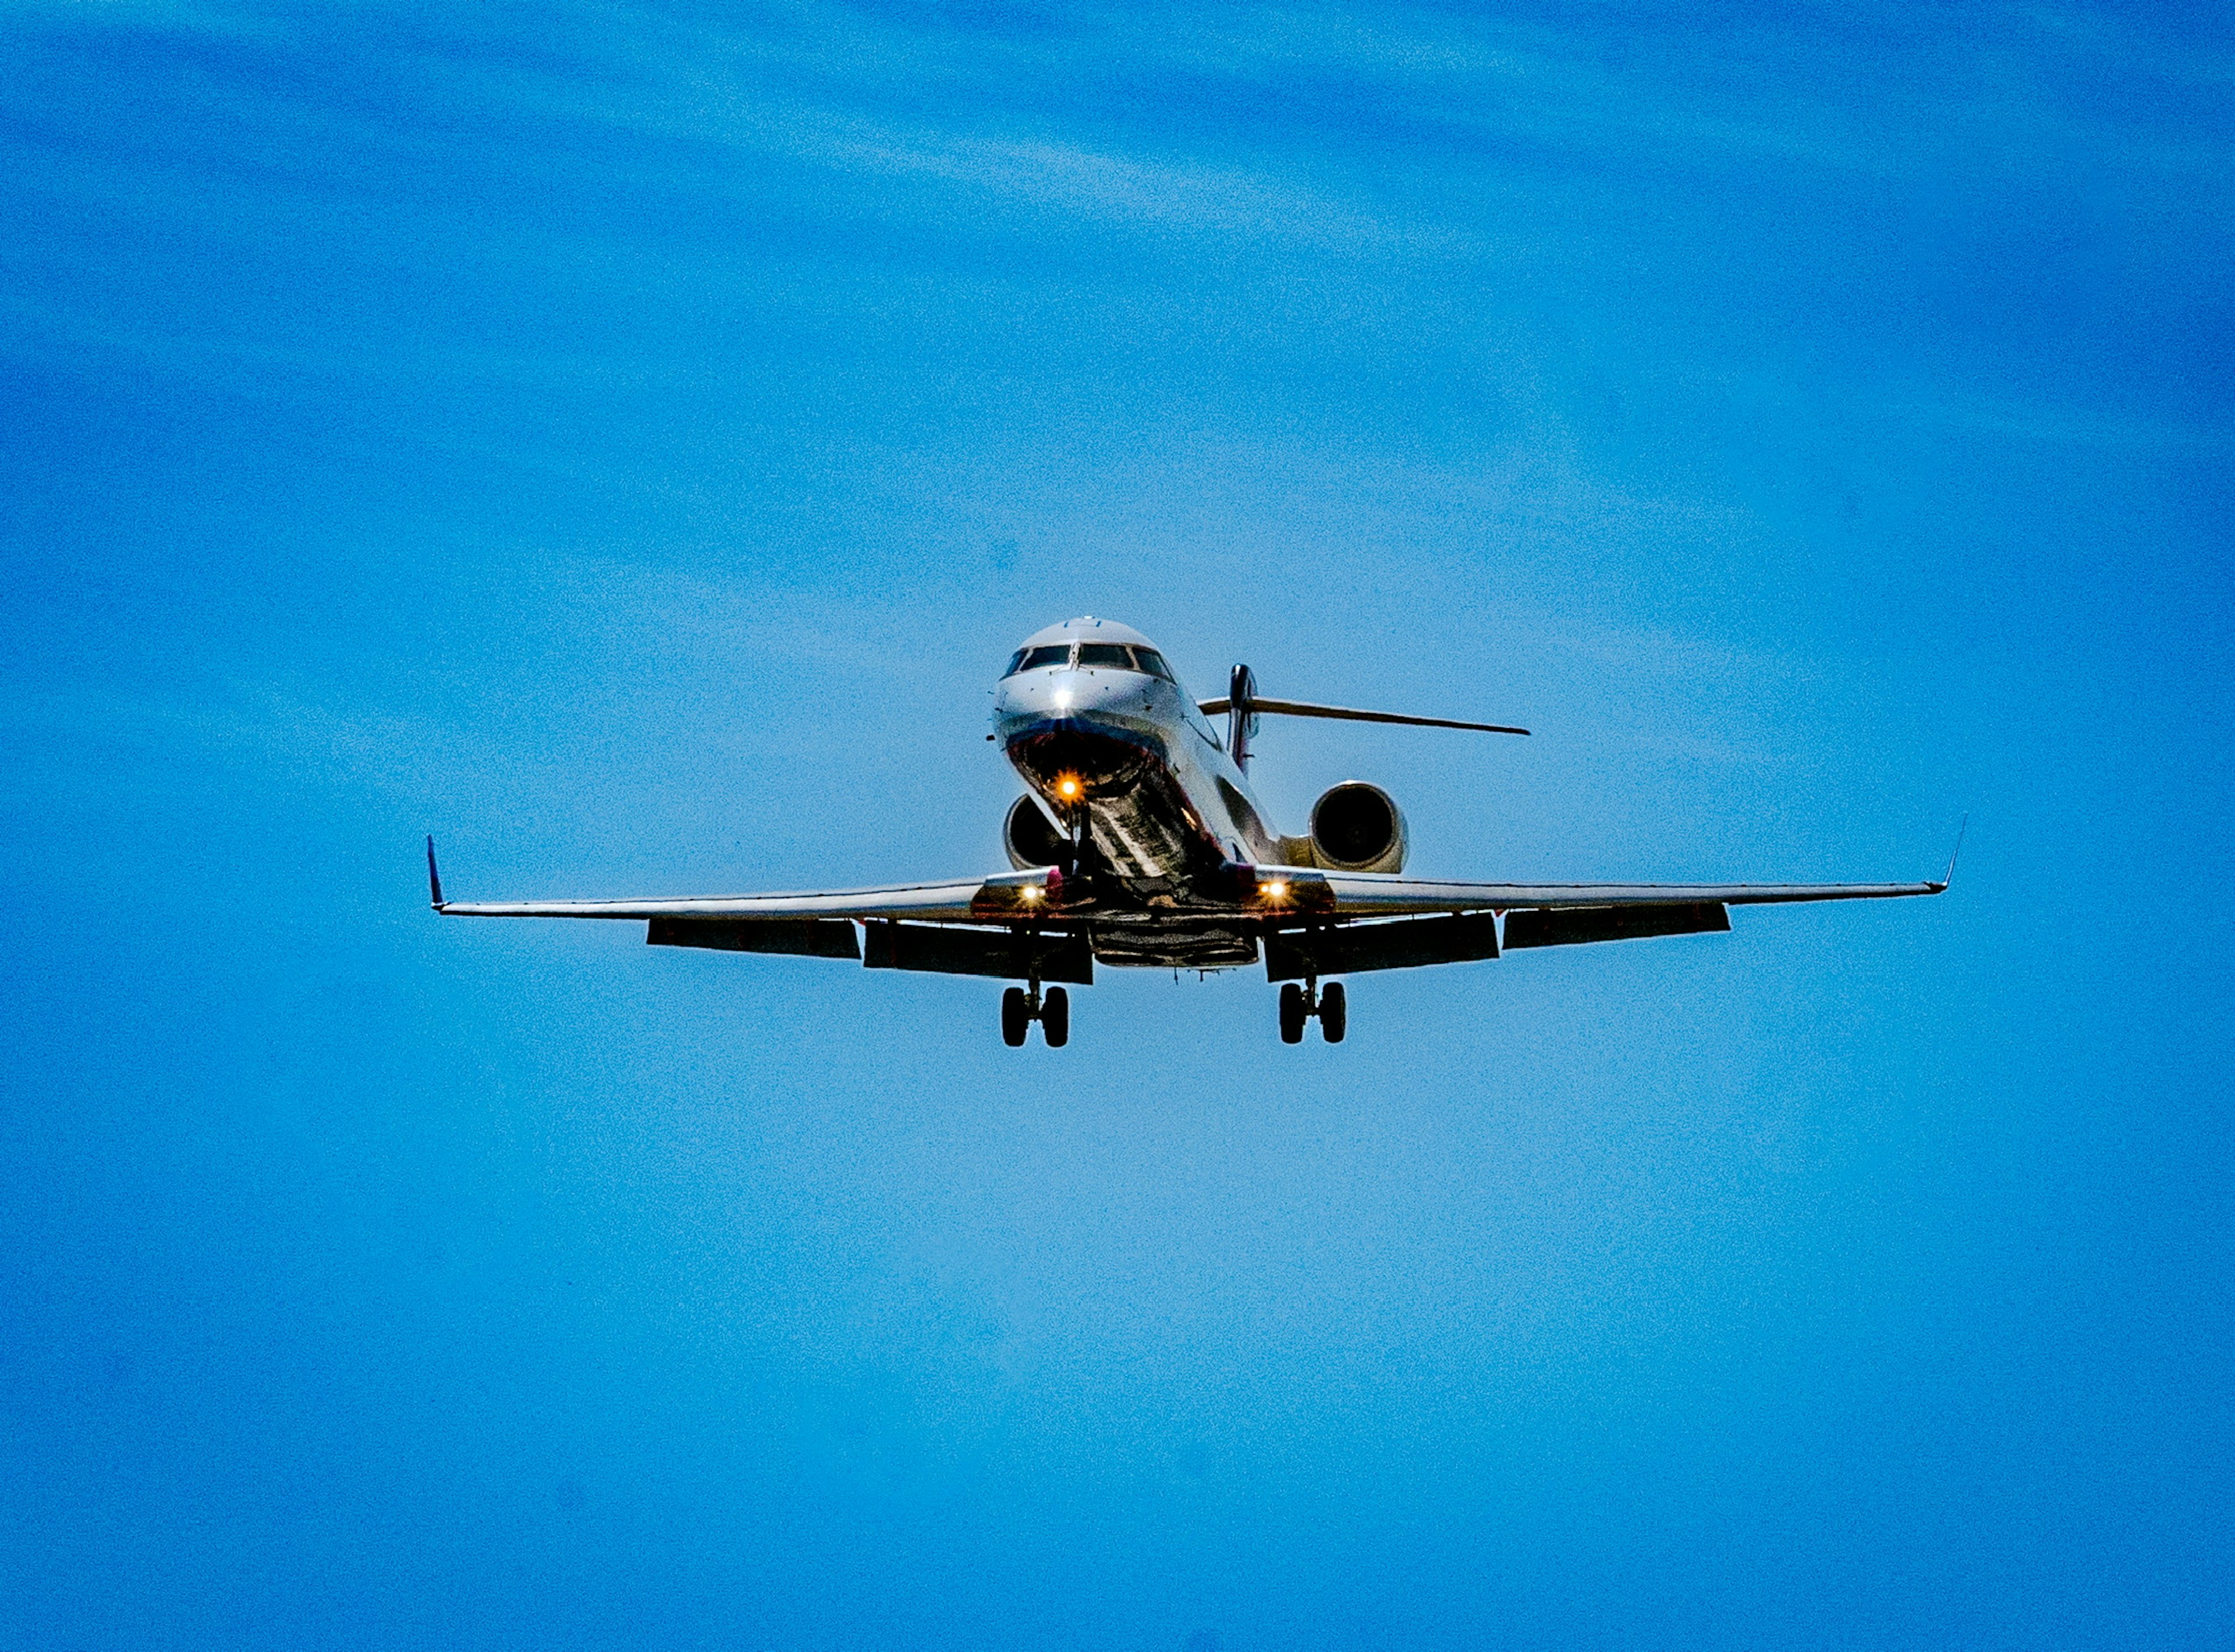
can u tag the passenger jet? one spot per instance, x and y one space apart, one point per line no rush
1138 841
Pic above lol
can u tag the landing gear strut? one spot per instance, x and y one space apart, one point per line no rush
1019 1009
1300 1004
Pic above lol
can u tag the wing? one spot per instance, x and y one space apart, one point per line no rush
1345 922
1375 895
1367 894
999 899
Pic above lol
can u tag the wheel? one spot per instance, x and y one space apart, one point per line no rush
1334 1013
1293 1013
1055 1018
1016 1016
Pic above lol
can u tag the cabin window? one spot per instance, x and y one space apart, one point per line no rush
1038 659
1110 655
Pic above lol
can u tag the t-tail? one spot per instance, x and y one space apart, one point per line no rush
1244 705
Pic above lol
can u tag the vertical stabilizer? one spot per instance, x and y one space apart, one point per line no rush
1241 714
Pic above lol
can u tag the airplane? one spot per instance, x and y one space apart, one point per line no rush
1139 842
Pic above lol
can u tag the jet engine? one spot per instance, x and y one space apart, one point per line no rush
1358 828
1030 838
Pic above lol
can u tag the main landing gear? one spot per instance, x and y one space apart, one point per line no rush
1052 1010
1300 1004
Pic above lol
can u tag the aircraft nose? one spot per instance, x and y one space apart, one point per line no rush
1083 692
1069 694
1035 705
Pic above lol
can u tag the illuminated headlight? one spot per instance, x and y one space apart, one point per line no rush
1067 787
1031 894
1276 891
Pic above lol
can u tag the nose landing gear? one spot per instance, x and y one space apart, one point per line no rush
1300 1004
1021 1009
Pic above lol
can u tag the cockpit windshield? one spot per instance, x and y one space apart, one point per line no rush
1092 656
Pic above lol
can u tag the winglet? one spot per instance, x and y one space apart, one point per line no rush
1949 876
434 878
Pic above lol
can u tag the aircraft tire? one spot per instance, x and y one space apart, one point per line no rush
1293 1013
1055 1018
1334 1013
1016 1017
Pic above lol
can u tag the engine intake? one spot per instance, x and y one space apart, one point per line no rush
1030 838
1358 828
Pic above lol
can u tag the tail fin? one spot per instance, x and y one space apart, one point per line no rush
1241 708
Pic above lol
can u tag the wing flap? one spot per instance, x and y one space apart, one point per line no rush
1573 926
796 937
1405 943
1018 955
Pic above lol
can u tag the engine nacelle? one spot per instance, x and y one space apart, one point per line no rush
1030 838
1358 828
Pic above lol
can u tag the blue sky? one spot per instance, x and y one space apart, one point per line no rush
624 441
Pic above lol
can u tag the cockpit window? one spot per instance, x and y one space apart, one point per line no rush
1092 656
1055 653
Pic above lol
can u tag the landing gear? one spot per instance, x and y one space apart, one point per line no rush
1334 1013
1019 1009
1300 1004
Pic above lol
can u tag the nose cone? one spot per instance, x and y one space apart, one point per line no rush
1093 728
1119 697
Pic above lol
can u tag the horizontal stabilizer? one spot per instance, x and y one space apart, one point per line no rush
1299 708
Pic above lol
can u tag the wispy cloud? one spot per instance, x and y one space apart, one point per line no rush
2051 425
1088 183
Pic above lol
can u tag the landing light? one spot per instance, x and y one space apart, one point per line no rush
1067 787
1276 891
1031 894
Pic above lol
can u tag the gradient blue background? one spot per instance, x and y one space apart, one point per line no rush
625 440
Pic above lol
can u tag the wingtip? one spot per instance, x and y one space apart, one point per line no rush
1949 876
434 877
